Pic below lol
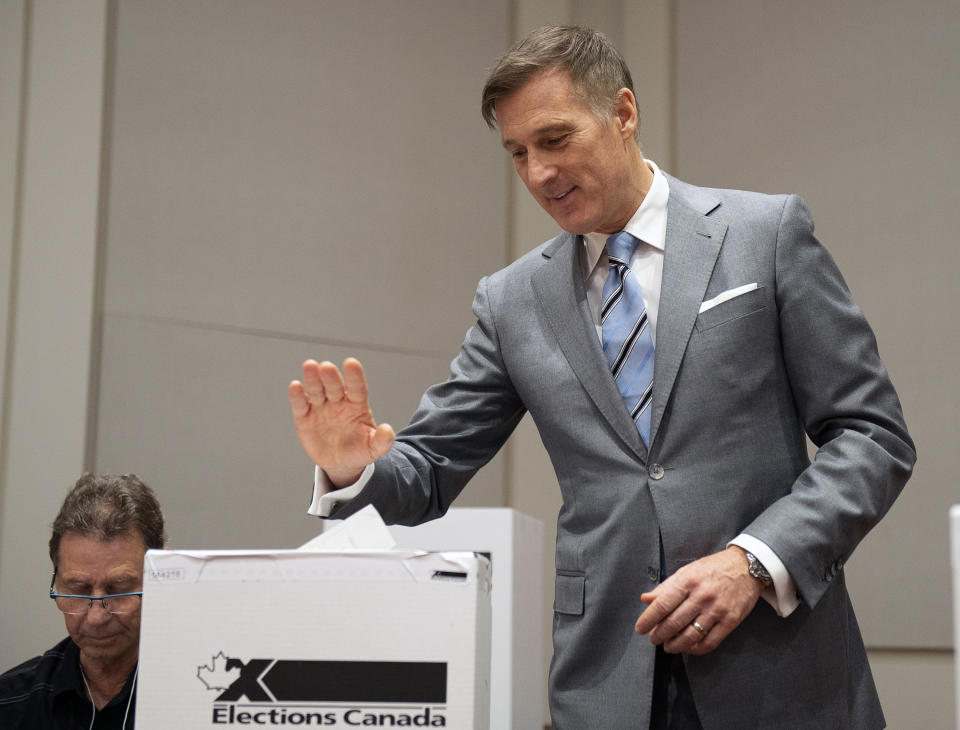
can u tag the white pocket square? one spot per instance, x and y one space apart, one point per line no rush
726 296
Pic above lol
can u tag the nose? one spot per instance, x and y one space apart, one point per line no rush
539 170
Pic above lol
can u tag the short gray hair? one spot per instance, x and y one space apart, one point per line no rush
107 507
596 68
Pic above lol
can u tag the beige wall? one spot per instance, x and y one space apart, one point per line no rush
916 687
277 191
11 62
199 253
50 319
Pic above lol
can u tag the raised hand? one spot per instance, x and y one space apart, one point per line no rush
334 423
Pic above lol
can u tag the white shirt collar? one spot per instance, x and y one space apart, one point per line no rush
649 223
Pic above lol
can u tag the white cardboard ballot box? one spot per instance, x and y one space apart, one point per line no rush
317 639
514 543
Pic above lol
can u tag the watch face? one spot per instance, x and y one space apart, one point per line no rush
756 568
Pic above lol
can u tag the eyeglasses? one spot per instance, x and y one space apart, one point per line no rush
115 603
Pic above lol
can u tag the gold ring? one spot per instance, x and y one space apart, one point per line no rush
698 627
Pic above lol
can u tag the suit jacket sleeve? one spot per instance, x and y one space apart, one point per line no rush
458 427
848 408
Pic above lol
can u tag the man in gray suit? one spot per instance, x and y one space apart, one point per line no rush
689 509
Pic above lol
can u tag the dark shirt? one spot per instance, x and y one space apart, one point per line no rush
48 693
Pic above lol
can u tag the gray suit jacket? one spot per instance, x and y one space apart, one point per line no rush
736 390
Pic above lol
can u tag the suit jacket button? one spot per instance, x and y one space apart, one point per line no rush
653 574
655 471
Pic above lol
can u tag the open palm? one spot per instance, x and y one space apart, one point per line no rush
333 420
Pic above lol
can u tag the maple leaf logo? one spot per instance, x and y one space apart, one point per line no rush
215 675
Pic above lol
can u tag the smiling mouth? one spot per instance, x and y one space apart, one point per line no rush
563 195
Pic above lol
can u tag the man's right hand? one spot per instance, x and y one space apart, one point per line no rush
334 422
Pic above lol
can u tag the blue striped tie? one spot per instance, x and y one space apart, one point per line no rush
626 335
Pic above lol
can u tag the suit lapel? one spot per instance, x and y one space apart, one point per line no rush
559 288
692 245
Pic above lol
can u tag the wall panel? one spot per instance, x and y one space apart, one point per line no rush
287 180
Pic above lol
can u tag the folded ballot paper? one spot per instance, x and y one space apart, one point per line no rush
365 530
346 631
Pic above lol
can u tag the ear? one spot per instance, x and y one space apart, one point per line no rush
625 114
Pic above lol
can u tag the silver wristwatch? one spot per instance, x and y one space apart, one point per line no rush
756 569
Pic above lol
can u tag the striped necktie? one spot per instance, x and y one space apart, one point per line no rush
626 335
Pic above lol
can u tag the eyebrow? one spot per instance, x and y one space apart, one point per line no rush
543 131
81 581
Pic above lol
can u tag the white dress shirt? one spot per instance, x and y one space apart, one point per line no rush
649 225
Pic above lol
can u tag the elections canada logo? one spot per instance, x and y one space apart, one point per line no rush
325 693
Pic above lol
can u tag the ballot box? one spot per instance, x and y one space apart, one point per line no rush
287 638
514 543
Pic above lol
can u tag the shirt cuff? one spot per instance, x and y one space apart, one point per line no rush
326 496
782 595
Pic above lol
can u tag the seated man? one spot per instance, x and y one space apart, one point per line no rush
88 680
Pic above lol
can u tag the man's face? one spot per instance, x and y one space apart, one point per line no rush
90 567
582 169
